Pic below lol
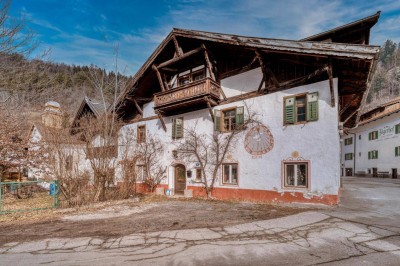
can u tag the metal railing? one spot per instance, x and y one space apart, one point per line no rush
28 196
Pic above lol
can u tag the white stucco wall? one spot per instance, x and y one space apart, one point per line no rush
316 141
242 83
385 144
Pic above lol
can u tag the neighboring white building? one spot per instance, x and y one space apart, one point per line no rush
373 148
301 90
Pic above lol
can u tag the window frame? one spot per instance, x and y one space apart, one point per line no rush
283 178
190 75
196 171
373 135
348 141
238 119
141 138
373 155
348 156
230 172
143 172
295 96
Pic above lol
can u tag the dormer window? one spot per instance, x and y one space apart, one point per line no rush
191 75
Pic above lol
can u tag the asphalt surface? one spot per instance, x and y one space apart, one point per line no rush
363 230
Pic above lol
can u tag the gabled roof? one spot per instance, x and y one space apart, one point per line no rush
353 62
96 108
356 31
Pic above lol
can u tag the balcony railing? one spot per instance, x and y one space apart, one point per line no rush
191 92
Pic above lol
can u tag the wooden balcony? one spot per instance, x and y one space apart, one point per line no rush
189 97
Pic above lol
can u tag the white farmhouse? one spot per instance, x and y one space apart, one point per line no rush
301 91
373 147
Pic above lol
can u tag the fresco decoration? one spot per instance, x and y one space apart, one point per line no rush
258 140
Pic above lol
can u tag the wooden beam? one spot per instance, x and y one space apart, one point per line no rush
350 116
262 65
178 49
160 117
331 88
223 93
177 59
347 105
136 104
209 108
208 62
261 83
160 80
239 70
298 81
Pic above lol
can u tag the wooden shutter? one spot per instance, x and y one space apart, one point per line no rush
239 116
396 151
173 128
376 154
217 120
179 128
369 135
398 129
312 106
289 110
369 155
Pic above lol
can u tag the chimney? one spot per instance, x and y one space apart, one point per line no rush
52 116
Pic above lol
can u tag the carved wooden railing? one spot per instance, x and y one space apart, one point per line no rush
196 89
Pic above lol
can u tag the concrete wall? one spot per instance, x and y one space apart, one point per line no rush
317 142
385 144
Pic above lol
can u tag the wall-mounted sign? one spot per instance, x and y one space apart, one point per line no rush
386 132
258 140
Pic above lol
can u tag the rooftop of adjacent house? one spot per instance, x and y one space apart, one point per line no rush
381 111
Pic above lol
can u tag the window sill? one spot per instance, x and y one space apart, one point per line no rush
229 185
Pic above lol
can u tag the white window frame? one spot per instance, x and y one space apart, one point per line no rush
284 175
230 182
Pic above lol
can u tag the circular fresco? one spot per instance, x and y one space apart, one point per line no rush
259 140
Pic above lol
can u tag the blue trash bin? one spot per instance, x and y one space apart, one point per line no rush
52 189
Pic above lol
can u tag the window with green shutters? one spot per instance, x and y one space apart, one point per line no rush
348 141
301 108
397 151
348 156
177 128
397 129
229 119
372 155
373 135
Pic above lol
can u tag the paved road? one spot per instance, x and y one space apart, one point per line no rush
364 230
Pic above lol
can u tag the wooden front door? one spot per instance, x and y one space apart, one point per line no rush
349 171
180 179
374 172
394 172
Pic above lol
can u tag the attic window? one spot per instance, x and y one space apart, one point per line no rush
194 74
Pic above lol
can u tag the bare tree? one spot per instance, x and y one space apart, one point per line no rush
210 150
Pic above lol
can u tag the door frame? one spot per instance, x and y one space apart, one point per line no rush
175 175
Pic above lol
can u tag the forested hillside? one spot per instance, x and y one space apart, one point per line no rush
386 81
37 81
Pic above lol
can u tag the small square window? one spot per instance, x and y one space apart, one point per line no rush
296 175
230 174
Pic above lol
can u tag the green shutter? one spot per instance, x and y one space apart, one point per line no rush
396 151
239 116
289 110
369 135
376 154
179 128
398 129
173 128
312 106
217 120
369 155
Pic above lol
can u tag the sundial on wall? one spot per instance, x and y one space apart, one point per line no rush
259 140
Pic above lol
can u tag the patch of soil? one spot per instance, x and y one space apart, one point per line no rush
143 217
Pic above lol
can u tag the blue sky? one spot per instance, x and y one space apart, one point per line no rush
84 32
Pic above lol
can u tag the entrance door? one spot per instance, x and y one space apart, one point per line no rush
349 171
394 172
180 179
374 172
